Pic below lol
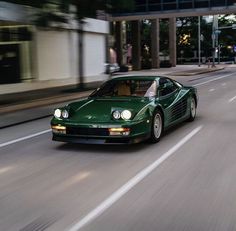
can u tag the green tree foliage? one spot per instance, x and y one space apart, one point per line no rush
164 35
146 44
85 8
26 2
46 11
227 36
187 37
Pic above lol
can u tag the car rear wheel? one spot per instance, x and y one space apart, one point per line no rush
157 127
193 107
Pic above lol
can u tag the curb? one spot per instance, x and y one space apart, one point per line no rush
43 102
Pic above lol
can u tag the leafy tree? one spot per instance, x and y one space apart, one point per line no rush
146 44
227 36
187 36
164 36
189 27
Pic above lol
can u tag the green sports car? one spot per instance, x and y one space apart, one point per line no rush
126 109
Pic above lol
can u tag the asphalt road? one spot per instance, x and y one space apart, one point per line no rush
186 182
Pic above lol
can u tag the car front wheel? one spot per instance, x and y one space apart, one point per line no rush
157 127
193 107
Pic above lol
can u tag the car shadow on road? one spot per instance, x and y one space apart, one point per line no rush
184 124
103 149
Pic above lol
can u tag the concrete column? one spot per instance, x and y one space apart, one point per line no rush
118 42
155 43
136 45
172 41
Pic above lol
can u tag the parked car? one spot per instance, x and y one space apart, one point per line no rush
111 68
126 109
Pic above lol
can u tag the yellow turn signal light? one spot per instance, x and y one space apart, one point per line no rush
119 131
59 129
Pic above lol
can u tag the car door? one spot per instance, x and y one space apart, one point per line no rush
170 98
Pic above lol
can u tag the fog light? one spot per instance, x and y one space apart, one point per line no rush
119 131
59 129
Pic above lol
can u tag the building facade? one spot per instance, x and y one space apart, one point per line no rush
154 11
32 57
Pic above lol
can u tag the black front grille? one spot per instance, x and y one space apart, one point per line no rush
80 131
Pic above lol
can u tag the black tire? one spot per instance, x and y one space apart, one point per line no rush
157 126
193 107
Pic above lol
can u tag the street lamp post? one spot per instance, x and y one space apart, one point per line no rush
213 47
214 30
219 47
199 41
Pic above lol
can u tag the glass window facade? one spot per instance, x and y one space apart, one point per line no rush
15 33
167 5
15 53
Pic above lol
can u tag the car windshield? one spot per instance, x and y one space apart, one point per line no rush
141 88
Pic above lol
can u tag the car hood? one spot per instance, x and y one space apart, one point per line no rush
96 110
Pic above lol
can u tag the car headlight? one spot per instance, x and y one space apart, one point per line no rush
65 114
57 113
126 114
116 115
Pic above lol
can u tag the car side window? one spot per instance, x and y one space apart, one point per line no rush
166 87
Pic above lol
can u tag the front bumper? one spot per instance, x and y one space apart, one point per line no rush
101 134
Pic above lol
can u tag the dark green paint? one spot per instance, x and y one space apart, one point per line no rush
97 112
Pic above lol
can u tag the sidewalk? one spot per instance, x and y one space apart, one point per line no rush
21 107
200 70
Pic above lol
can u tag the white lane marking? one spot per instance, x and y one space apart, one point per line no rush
24 138
232 99
213 89
5 169
211 80
131 183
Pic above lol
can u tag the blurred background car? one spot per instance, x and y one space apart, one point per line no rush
111 68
